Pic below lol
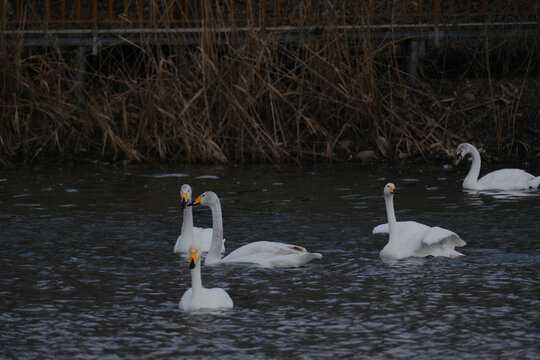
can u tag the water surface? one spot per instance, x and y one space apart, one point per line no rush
88 270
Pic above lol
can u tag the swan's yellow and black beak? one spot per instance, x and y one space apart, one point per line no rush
393 190
196 202
183 199
192 260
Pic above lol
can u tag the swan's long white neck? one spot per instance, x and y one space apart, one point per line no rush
187 225
196 282
392 223
214 254
471 180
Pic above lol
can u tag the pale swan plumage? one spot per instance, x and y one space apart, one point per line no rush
190 234
410 238
198 297
263 253
504 179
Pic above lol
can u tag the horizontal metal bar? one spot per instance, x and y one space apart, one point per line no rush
375 28
194 38
242 20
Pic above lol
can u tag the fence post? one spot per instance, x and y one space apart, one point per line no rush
417 49
94 23
80 77
436 22
262 22
2 11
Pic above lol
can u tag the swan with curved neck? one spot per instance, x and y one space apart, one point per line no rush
410 238
198 297
503 179
190 234
262 253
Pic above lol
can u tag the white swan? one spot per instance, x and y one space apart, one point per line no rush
190 234
410 238
198 297
504 179
263 253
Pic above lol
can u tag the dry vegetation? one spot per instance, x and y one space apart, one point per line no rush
255 99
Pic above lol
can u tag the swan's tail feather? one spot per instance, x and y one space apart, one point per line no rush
455 240
535 183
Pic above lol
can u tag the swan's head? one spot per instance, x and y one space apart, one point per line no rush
185 195
194 255
462 150
207 198
389 190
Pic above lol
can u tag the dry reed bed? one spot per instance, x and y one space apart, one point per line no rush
255 100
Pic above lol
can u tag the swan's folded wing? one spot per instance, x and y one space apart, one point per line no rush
271 254
203 237
380 229
267 247
202 232
292 260
438 235
217 298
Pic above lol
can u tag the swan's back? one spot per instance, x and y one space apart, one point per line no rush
272 254
203 237
507 179
406 229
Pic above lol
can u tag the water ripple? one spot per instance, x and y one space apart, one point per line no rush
101 281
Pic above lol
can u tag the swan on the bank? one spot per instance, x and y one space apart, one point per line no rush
263 253
410 238
190 234
198 297
504 179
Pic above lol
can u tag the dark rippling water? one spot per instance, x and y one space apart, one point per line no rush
88 270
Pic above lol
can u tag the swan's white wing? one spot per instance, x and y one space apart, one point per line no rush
185 301
438 235
380 229
271 254
437 241
292 260
216 298
420 240
406 229
506 179
267 247
202 234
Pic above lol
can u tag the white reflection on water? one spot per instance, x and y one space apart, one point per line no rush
207 177
158 176
505 194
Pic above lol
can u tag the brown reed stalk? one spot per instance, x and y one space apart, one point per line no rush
247 98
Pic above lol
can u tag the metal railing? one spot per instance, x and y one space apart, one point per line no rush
163 14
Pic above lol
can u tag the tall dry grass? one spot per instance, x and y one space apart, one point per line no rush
251 98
